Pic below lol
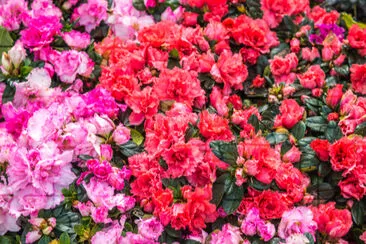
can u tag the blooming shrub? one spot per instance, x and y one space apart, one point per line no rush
190 121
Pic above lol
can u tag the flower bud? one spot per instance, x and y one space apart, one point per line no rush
17 54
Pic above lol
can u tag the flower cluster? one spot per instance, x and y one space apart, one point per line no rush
190 121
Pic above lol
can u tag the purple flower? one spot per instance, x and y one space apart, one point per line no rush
324 30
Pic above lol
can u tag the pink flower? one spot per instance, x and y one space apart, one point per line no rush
76 39
90 14
249 225
292 156
312 78
150 228
266 230
100 193
171 15
7 222
110 235
363 236
290 113
124 203
40 32
228 235
71 63
297 239
11 14
297 221
33 236
100 215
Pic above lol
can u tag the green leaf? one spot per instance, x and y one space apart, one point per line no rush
317 123
254 121
136 137
85 157
310 238
324 169
298 131
44 240
231 202
174 54
218 189
6 42
322 191
342 70
65 238
349 21
308 162
358 212
79 229
191 132
6 240
361 129
258 185
130 148
225 151
9 93
275 138
333 132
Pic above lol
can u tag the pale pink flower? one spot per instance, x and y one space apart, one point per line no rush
76 39
90 14
297 221
33 236
150 228
121 134
228 235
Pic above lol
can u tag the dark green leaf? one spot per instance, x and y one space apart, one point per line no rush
85 157
342 70
324 169
275 138
231 202
225 151
358 212
258 185
44 240
361 129
279 49
65 238
130 148
253 120
310 238
9 93
322 191
174 233
333 132
317 123
275 240
218 189
308 162
191 132
174 54
298 131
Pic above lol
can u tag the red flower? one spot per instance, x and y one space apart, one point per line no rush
281 68
321 16
334 95
271 205
146 184
345 154
321 148
181 159
143 103
275 10
357 39
290 113
358 78
230 70
198 207
253 33
334 222
355 184
178 85
214 127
